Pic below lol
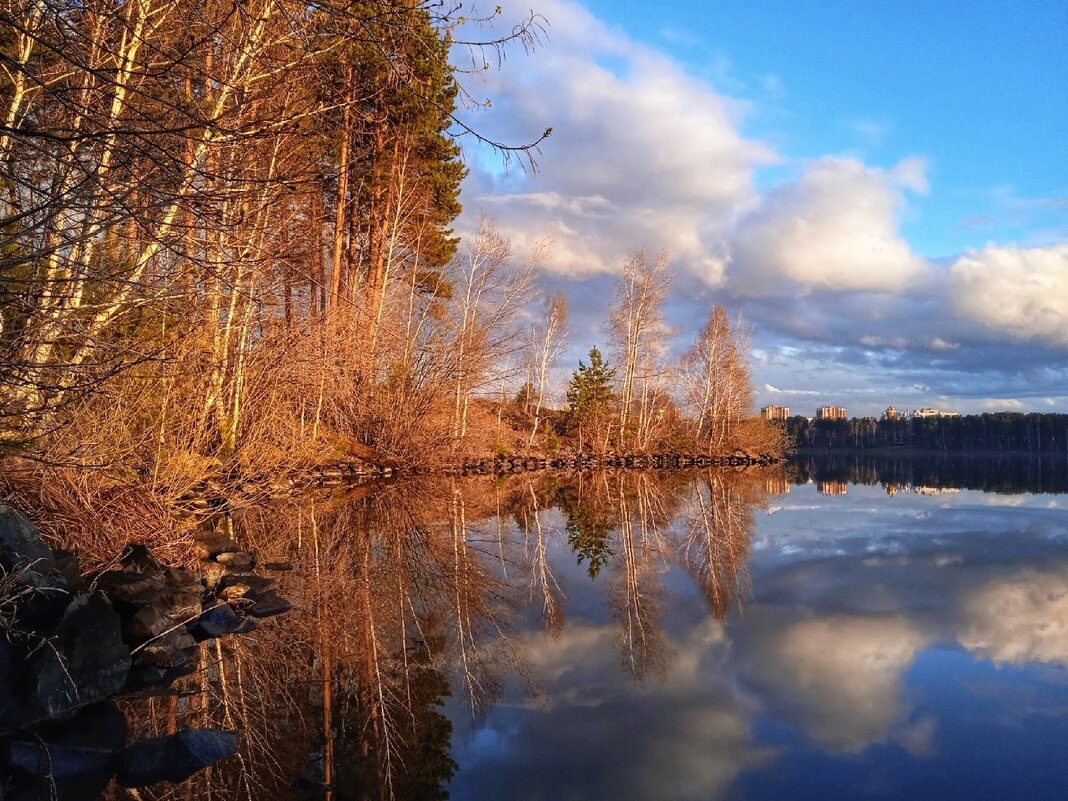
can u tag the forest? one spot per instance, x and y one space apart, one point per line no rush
226 249
996 432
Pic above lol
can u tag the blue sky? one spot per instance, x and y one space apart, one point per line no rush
880 188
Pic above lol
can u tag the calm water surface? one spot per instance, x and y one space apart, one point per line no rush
892 641
843 629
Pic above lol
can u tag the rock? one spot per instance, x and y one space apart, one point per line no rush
75 763
244 625
84 661
169 651
279 567
23 553
213 573
136 589
176 594
20 542
210 544
68 566
213 623
144 676
136 558
174 758
10 661
237 561
182 605
234 592
147 622
255 585
268 605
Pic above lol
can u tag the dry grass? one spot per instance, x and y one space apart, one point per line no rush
92 513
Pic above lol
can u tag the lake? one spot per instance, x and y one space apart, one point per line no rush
848 627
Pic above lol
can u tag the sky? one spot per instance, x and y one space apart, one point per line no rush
879 188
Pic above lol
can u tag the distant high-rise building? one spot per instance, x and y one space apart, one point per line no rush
891 413
775 412
831 413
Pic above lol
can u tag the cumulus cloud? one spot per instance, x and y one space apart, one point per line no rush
840 677
835 228
644 153
690 734
641 152
1017 291
1018 620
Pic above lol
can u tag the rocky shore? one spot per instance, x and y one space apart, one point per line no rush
585 461
70 646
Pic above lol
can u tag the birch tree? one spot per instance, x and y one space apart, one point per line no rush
638 333
715 373
489 292
548 340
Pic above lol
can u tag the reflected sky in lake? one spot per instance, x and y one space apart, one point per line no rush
912 645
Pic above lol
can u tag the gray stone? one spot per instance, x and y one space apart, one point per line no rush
75 763
268 605
213 573
137 558
136 589
22 552
237 561
84 661
256 585
213 623
181 604
146 623
174 758
169 651
243 625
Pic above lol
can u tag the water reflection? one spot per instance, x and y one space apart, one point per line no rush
643 636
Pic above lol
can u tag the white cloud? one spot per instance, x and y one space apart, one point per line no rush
835 228
1021 292
641 152
1001 404
1018 620
777 391
840 677
690 732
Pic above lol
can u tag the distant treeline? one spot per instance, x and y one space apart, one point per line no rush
995 432
1001 472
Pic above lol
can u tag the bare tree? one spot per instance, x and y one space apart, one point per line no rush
638 332
489 294
548 338
715 373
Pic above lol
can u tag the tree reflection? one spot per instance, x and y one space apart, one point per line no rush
717 543
416 592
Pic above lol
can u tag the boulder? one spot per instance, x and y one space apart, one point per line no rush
171 650
216 622
268 605
146 623
24 554
136 589
174 758
237 561
84 661
76 762
254 585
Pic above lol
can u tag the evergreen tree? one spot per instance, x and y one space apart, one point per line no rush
590 396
